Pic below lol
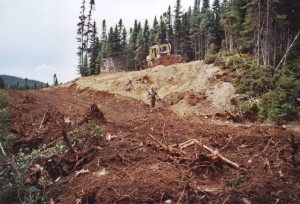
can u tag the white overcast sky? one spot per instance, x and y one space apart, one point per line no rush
38 37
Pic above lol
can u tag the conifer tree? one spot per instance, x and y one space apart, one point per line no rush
146 36
85 68
103 42
26 87
2 84
80 39
195 30
161 36
94 50
110 41
133 37
206 20
124 50
117 42
55 81
89 26
170 33
185 43
177 26
140 51
153 32
217 31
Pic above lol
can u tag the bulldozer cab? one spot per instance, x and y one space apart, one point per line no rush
107 65
158 51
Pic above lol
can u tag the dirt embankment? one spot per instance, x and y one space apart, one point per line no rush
154 157
189 88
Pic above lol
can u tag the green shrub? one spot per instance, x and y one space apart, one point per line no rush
210 58
96 132
277 91
92 131
228 62
13 182
3 99
5 138
248 106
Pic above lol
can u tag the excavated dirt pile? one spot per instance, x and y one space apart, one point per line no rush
118 152
168 60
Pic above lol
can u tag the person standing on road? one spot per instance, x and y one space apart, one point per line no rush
152 95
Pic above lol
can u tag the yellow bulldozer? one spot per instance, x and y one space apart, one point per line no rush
161 55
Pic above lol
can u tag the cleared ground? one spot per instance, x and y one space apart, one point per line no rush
143 159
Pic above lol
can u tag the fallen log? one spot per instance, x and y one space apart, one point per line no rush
214 152
191 142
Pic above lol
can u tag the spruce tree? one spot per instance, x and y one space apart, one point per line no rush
132 46
55 81
110 42
177 26
185 43
195 30
2 84
146 36
85 68
153 32
170 33
140 55
103 42
89 26
217 34
94 50
117 42
206 26
124 51
80 39
26 86
161 36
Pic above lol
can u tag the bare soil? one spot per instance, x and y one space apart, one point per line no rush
141 160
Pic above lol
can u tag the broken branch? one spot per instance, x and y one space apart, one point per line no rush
44 120
214 152
3 152
166 147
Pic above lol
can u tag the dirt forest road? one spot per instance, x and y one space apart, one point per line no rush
143 161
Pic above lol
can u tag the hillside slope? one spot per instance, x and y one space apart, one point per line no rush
9 80
188 88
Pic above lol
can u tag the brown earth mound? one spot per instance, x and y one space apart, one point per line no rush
168 60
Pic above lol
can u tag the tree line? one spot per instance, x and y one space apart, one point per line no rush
19 86
25 84
262 28
257 39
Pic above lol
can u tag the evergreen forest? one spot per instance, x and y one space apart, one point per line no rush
258 40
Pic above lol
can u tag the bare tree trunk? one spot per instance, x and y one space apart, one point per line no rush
259 34
275 46
225 39
284 56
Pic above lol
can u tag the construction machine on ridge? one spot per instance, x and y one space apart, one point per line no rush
160 54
